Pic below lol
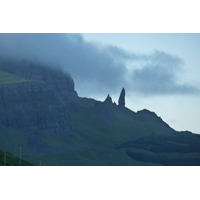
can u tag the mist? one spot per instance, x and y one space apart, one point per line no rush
100 69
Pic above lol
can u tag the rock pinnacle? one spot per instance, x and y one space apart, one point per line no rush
121 101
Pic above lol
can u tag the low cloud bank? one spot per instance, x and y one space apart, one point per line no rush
100 69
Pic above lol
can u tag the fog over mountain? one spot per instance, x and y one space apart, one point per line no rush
99 69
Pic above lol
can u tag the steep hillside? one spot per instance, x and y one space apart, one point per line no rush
106 123
120 134
9 78
56 79
33 107
41 112
29 109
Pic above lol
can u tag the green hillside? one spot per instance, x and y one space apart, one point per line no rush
55 126
9 160
107 136
109 126
119 134
10 78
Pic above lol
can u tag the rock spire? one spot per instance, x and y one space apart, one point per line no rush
121 101
108 100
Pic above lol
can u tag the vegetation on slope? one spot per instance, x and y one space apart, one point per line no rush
7 159
103 134
178 149
10 78
142 136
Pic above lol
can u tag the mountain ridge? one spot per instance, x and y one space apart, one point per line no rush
40 109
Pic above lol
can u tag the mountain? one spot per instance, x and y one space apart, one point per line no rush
34 107
41 111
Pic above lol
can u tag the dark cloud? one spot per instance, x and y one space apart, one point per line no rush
155 80
99 69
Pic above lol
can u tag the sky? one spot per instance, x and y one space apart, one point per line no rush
160 72
168 83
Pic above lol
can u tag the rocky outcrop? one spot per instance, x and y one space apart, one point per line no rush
57 80
33 107
108 100
121 101
106 108
151 116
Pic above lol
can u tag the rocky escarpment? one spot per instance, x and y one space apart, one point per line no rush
33 107
108 105
58 80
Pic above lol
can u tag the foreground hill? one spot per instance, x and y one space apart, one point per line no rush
41 111
7 159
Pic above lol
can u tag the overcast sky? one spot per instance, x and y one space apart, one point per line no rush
160 72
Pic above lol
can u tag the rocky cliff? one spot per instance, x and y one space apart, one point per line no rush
32 106
41 112
56 79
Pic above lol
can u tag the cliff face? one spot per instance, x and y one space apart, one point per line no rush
56 79
33 107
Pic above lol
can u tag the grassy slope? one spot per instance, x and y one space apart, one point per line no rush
171 148
10 137
122 125
12 160
98 137
102 138
97 142
94 141
10 78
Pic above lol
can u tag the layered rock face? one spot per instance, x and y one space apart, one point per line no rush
33 107
58 80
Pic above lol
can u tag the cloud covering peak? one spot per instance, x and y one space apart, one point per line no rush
100 69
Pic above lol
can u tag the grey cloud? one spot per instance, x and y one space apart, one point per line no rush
156 80
98 69
91 68
166 59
